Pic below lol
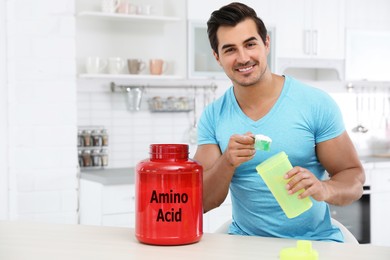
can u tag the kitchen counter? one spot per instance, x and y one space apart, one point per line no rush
111 176
375 159
28 240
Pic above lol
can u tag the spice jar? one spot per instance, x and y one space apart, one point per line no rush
80 139
96 138
104 157
104 135
80 157
87 158
171 103
87 137
169 209
96 158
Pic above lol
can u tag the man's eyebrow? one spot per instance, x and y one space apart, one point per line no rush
253 38
231 45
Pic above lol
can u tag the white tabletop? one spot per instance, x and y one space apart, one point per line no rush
22 240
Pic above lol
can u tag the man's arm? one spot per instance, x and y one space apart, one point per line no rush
346 172
347 177
218 167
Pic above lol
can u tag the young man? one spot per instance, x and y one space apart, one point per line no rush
302 121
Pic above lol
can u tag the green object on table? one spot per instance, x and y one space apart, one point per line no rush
303 251
263 143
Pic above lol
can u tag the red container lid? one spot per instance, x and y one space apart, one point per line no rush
168 151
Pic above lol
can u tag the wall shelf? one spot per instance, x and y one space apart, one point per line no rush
124 88
128 76
129 17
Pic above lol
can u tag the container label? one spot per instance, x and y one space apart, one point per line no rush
171 198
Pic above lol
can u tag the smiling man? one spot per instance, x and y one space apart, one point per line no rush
301 120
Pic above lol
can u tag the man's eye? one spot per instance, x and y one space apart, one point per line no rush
229 50
251 44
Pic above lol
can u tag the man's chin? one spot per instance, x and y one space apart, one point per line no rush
246 82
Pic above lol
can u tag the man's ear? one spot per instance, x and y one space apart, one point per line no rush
268 43
216 57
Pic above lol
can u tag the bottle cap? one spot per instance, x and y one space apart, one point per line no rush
303 251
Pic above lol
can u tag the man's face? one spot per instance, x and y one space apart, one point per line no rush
242 53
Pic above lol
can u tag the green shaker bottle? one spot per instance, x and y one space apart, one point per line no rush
272 171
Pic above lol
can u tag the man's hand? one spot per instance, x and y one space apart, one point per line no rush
302 178
240 149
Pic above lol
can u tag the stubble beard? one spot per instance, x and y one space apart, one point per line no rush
249 81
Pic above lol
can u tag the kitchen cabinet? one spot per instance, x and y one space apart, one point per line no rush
380 201
107 197
367 55
107 205
367 14
160 34
201 61
310 29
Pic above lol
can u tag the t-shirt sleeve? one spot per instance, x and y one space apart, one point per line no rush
206 127
329 119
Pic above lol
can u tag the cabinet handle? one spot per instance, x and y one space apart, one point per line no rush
315 42
307 42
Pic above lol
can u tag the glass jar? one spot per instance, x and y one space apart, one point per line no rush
87 138
96 138
80 138
104 157
96 158
80 157
87 158
104 135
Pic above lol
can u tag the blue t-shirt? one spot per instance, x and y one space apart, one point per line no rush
302 117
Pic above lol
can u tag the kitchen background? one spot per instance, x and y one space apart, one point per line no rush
47 96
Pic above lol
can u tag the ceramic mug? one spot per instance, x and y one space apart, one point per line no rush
123 7
116 65
144 9
135 66
109 6
95 65
157 66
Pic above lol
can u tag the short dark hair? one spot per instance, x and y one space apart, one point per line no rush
231 15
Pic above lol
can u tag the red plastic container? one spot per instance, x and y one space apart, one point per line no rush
169 209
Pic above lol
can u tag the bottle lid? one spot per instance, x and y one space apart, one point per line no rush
303 251
169 151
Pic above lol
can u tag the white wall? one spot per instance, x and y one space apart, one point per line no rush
131 132
42 110
3 118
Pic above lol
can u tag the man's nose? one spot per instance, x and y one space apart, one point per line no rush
243 56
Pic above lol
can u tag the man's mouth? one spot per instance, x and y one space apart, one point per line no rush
245 69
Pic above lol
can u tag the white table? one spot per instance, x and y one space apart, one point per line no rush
28 240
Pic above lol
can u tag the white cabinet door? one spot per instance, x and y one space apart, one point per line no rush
310 29
328 28
107 205
291 27
118 199
367 55
380 211
368 14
